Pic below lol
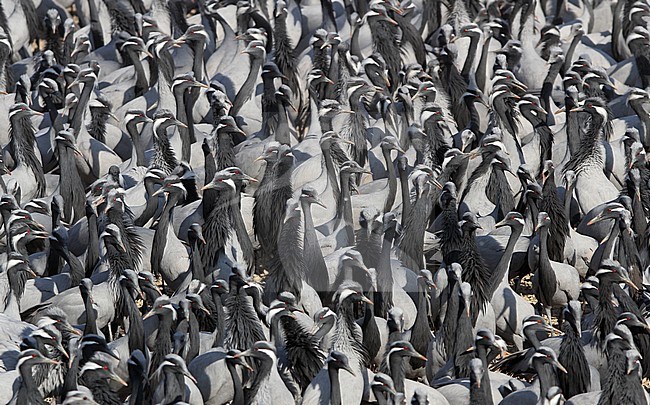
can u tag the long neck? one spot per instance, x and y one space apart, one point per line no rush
331 173
197 67
219 330
96 34
198 272
248 87
22 138
471 55
568 197
345 207
335 385
195 338
309 220
141 83
474 118
500 274
476 394
151 205
165 95
392 181
481 71
135 333
406 195
93 244
451 316
163 340
29 385
485 379
611 241
397 371
547 378
91 316
547 278
138 150
160 236
53 112
137 394
71 186
191 96
385 276
164 157
547 89
569 54
181 115
80 111
263 371
225 153
77 271
282 131
238 398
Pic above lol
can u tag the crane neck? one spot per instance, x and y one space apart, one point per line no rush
282 134
471 56
572 126
547 90
344 206
392 180
481 70
93 244
611 240
616 30
82 107
568 197
198 46
164 157
141 83
53 112
246 90
333 72
331 174
474 117
501 272
28 383
220 329
547 377
91 315
135 333
449 327
543 241
181 115
134 134
306 212
406 194
397 371
265 365
568 58
166 99
335 385
237 385
96 34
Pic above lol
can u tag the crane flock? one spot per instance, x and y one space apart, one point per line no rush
319 202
